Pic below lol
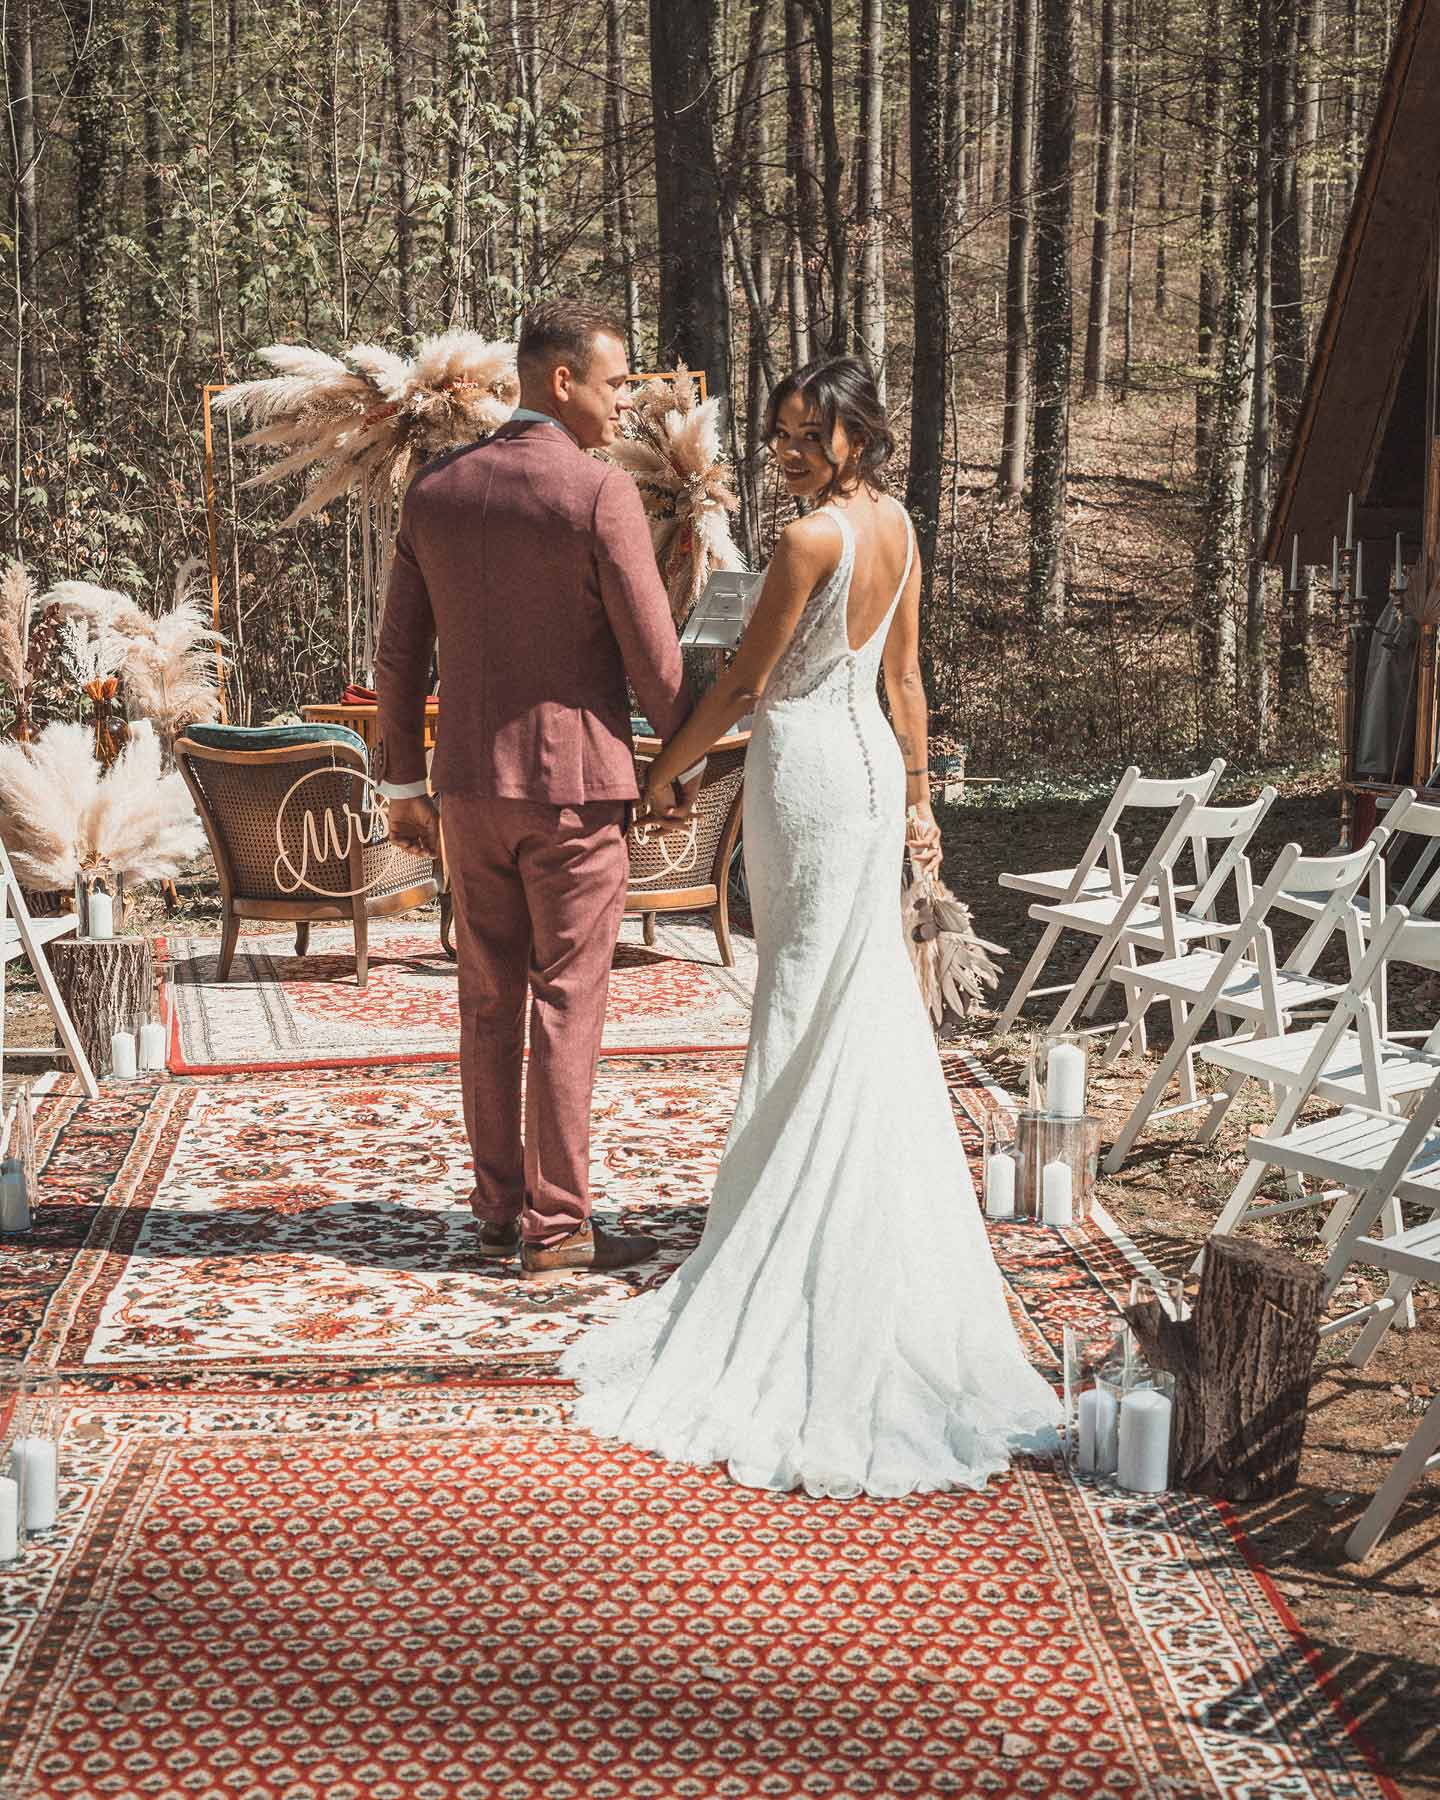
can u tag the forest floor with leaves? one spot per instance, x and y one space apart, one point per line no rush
1376 1628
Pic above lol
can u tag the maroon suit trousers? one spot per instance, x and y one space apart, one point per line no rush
539 892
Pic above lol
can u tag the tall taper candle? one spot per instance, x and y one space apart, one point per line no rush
1360 570
1350 523
1334 565
1295 564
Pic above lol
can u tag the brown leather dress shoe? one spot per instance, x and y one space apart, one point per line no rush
589 1250
498 1242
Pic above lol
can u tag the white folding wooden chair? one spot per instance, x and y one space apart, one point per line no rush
1346 1060
1378 1161
1413 831
1243 980
1409 1256
1148 916
20 935
1101 869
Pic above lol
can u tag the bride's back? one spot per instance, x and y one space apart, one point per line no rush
882 546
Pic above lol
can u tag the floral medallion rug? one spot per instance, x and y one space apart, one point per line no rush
280 1011
312 1225
326 1532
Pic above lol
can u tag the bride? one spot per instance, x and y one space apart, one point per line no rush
841 1326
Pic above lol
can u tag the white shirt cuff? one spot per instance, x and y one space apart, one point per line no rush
404 790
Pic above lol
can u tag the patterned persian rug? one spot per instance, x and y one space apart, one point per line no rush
311 1225
452 1596
281 1011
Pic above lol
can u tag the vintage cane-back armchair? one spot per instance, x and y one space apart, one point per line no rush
688 871
301 853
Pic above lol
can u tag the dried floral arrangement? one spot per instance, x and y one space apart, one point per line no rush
164 661
63 814
952 965
363 423
671 448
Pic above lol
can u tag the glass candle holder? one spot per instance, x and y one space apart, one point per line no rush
1091 1361
1059 1158
32 1459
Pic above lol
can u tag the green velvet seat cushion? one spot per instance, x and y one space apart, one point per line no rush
273 737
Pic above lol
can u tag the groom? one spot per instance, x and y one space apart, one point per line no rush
530 563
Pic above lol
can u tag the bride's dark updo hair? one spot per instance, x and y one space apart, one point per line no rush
840 390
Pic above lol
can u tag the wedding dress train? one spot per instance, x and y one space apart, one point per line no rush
841 1326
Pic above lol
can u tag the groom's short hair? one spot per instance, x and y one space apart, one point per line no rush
563 331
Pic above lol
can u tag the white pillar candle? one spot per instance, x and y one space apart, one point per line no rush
102 915
1065 1081
122 1055
1000 1187
33 1461
152 1045
1144 1442
1057 1194
9 1519
14 1197
1099 1425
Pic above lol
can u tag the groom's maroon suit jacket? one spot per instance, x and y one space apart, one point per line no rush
532 564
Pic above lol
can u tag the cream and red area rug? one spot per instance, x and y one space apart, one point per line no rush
451 1596
278 1010
325 1531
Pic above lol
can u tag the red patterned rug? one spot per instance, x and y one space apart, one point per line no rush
281 1011
311 1225
454 1597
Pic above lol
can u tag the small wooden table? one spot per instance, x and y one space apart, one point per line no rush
363 718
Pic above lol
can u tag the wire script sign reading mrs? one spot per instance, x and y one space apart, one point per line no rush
326 836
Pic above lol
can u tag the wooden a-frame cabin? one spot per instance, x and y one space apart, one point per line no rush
1369 425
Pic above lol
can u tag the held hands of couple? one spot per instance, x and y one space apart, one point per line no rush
414 825
667 804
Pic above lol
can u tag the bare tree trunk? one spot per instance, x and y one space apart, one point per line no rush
463 41
188 156
837 233
800 161
622 211
870 208
1221 551
694 300
1311 32
1258 467
1017 263
1097 330
957 110
93 34
1132 196
932 310
1162 176
1212 135
1287 291
1353 135
1054 313
20 81
404 189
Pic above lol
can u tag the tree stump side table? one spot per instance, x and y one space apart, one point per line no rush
108 985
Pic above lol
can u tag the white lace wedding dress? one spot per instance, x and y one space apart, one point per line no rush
842 1325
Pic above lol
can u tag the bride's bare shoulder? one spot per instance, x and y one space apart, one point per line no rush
810 543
